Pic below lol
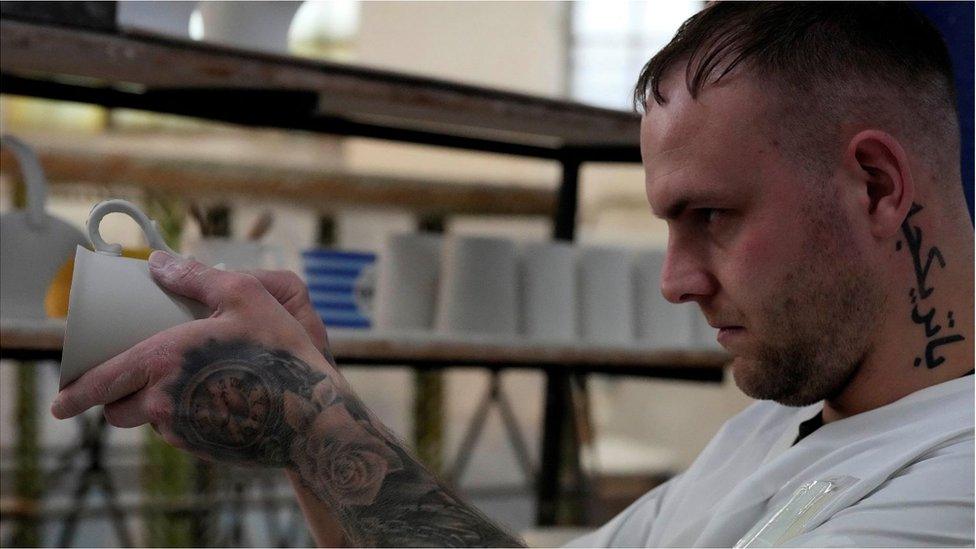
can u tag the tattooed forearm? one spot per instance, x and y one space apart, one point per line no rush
241 402
229 401
923 260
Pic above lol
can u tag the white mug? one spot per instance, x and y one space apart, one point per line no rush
114 301
548 291
478 290
236 255
408 274
606 301
170 18
33 244
254 25
660 323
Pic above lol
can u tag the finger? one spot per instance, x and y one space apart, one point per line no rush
285 286
126 412
131 370
290 290
151 406
214 288
165 432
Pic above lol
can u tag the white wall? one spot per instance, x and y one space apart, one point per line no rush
508 45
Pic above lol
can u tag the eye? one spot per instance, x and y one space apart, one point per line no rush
709 215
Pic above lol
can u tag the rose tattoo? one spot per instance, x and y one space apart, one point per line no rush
340 456
239 401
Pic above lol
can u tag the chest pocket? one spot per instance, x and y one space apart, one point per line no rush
786 522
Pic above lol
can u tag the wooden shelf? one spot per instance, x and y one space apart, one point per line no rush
196 79
43 339
221 84
120 160
36 335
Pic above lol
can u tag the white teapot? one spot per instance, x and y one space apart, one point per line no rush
33 244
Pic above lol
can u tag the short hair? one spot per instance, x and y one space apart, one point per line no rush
838 57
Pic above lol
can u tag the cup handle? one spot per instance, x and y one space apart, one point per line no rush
148 226
33 174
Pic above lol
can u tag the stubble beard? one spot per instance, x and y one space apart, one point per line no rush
817 328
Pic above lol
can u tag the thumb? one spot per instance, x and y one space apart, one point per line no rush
197 281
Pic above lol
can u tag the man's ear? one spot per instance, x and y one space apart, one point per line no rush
880 168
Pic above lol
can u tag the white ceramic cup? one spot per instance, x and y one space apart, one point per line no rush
171 18
236 255
33 244
114 301
255 25
547 273
660 323
478 289
409 270
606 304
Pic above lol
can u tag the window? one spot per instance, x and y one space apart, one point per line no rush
611 41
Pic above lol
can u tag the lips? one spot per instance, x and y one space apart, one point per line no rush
727 334
728 330
719 325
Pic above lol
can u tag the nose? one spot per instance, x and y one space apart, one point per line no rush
685 277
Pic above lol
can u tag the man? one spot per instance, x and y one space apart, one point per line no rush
805 157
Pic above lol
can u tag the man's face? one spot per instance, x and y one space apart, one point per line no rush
762 246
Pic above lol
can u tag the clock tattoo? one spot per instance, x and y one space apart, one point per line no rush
229 401
229 406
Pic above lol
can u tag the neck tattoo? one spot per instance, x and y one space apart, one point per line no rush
921 292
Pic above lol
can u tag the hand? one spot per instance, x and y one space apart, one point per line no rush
248 385
229 387
290 290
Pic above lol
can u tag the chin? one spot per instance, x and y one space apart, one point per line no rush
764 380
744 369
746 373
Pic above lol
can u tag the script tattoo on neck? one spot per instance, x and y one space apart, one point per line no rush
244 403
923 259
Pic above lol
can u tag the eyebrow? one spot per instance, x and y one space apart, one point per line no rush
675 209
687 197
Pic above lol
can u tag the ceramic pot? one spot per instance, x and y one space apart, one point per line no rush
33 245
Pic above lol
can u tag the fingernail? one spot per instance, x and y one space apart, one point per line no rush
159 259
56 407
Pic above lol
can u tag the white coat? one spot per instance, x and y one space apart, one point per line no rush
899 475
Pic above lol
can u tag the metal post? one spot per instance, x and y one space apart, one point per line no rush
429 397
557 406
565 225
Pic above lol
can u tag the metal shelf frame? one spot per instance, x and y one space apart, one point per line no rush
185 78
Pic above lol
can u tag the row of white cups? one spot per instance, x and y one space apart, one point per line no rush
548 292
